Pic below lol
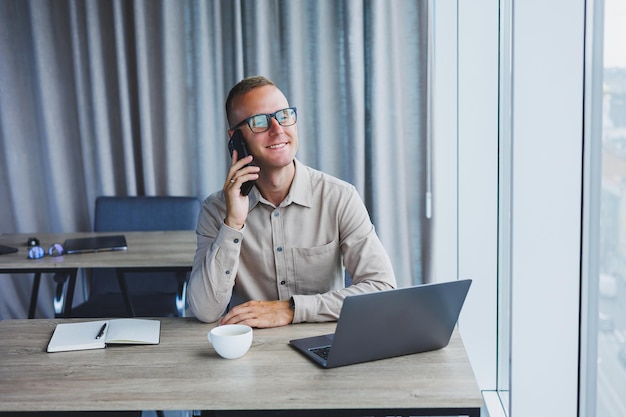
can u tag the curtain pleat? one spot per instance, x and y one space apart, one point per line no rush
102 97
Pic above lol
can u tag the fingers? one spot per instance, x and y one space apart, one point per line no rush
239 173
260 314
241 314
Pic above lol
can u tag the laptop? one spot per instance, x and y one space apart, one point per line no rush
389 323
95 244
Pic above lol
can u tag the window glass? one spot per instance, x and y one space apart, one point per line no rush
611 328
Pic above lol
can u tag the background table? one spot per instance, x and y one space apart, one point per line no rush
165 250
184 373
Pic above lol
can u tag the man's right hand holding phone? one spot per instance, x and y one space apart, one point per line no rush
237 203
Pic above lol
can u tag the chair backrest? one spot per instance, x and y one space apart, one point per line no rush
146 213
119 214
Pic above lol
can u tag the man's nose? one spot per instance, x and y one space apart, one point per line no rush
274 123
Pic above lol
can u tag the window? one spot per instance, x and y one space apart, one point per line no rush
603 355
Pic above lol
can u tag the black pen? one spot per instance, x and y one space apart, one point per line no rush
101 332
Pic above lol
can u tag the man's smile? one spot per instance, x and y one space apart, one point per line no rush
277 146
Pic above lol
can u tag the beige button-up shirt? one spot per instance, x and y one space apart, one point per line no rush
297 249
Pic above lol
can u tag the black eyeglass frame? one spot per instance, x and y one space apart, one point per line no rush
269 119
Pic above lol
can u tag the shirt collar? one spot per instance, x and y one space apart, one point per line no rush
301 191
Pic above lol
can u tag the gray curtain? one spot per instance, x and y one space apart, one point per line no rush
115 97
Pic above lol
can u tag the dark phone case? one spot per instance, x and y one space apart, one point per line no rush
237 142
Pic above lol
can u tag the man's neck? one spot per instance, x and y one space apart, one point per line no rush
274 185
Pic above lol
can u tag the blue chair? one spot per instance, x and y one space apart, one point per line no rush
152 294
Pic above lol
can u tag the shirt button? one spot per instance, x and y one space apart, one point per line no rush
276 214
236 240
282 282
227 272
279 249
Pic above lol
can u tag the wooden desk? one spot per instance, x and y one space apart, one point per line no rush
166 250
184 373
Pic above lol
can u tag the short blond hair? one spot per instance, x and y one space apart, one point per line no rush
242 87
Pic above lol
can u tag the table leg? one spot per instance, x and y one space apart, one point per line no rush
121 279
34 294
181 295
70 293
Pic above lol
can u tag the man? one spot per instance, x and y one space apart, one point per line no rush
276 256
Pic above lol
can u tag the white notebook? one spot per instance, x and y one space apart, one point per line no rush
97 334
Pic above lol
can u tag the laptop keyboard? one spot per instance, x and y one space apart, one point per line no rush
321 351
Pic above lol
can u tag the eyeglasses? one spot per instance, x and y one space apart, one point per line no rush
260 123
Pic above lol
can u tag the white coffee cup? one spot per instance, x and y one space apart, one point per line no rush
231 341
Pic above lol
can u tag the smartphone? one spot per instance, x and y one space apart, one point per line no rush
237 142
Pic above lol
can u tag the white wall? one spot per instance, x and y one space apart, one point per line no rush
466 168
548 57
444 142
478 181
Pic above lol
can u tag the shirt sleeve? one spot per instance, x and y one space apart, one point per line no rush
215 264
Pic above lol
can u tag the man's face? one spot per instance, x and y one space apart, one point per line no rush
276 147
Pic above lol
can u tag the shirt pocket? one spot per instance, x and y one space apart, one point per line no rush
317 269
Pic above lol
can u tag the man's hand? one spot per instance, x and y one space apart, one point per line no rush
260 314
236 203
